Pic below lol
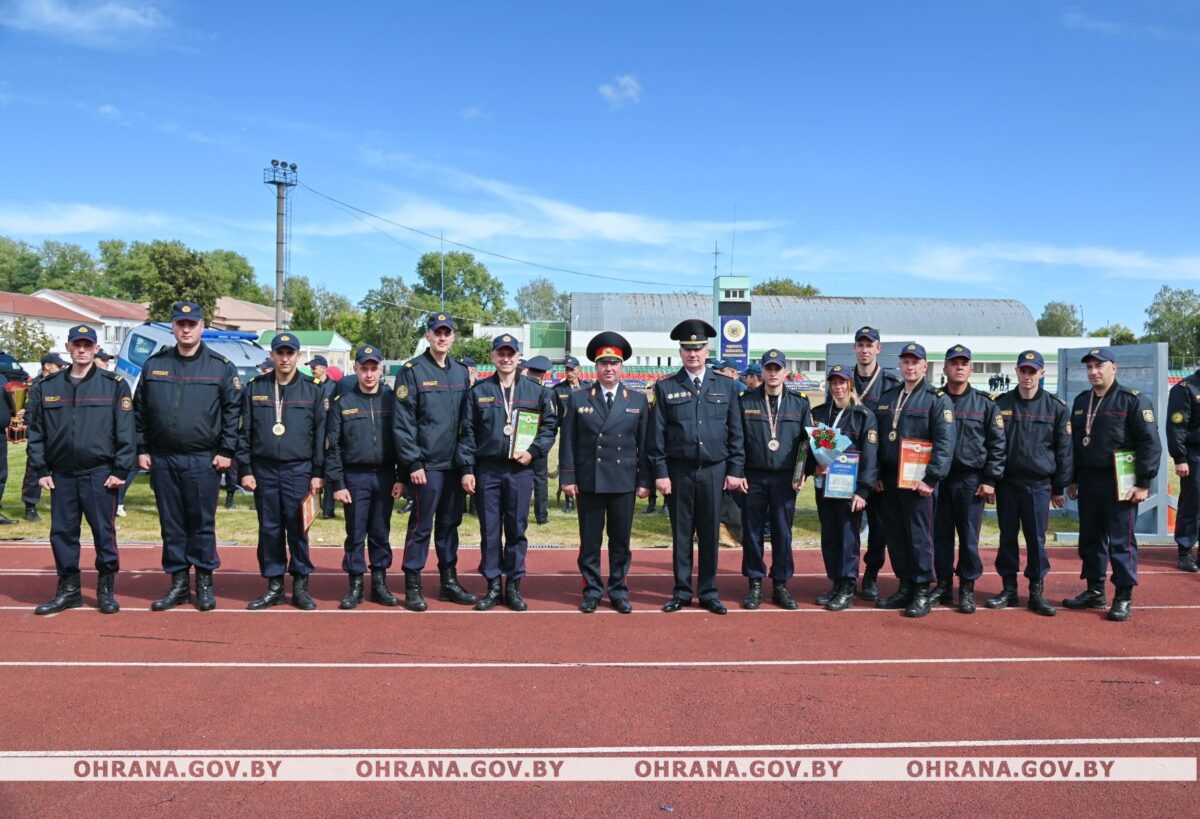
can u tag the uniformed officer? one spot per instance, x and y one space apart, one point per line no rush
871 381
319 366
696 453
1037 469
774 423
431 392
602 462
81 447
754 375
562 393
1106 420
977 466
360 465
281 458
536 369
1183 445
841 518
501 478
31 490
914 411
7 411
187 410
470 364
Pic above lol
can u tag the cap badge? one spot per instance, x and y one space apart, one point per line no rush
506 338
912 347
285 338
367 350
692 337
1029 356
958 348
1094 352
441 317
185 309
774 354
82 330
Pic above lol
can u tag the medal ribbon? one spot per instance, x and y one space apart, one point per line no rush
508 398
1091 413
278 403
900 402
772 419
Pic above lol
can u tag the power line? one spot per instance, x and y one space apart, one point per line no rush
493 254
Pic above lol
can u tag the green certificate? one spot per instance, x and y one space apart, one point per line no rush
1125 461
525 429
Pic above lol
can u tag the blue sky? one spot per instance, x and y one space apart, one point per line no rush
1031 150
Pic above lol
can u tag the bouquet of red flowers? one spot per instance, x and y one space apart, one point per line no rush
826 444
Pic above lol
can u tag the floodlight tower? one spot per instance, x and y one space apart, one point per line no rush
282 176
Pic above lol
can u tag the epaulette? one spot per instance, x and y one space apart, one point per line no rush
316 380
1057 398
260 376
939 393
338 397
1131 391
408 364
107 373
217 355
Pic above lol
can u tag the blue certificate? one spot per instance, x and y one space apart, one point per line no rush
842 479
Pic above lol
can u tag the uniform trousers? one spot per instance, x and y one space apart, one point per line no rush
841 536
770 499
436 511
368 518
1187 516
79 496
502 493
958 512
695 507
282 539
910 532
1105 529
186 488
1023 508
598 511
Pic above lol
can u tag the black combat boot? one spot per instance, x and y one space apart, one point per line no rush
104 594
844 597
1187 562
229 503
381 594
922 601
1090 598
451 591
67 597
870 585
205 601
827 596
781 597
1008 595
494 593
1122 604
31 513
569 506
900 599
1037 600
355 595
301 599
512 595
943 593
966 596
753 598
178 594
414 600
272 597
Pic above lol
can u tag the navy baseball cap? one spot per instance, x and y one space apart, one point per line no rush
316 360
53 358
774 357
839 371
266 364
1031 358
538 364
958 351
187 311
82 331
506 340
914 349
571 362
103 356
468 362
367 352
1099 354
867 332
437 320
287 340
753 368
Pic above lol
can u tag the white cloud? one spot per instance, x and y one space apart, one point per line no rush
623 90
110 24
473 112
64 219
1077 19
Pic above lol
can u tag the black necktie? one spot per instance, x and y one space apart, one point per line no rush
696 381
608 399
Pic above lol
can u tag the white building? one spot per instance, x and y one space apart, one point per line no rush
56 319
112 318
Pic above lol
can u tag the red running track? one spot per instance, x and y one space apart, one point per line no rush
553 680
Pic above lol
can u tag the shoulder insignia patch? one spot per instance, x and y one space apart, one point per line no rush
1079 412
1068 427
346 412
408 364
1177 418
237 383
883 406
327 405
1000 421
1148 416
1006 412
872 436
402 391
127 403
1135 392
948 415
51 399
316 380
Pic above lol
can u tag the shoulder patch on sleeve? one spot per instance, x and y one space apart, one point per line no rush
237 383
872 436
1148 416
948 415
126 403
999 421
1177 418
402 391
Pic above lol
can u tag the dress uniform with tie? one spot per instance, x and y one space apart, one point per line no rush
502 479
696 443
81 445
281 457
1119 423
774 430
602 456
1183 445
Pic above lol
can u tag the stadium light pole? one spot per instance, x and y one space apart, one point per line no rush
282 176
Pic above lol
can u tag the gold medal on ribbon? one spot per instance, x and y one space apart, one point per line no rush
892 435
278 429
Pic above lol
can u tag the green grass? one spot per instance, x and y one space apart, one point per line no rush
241 525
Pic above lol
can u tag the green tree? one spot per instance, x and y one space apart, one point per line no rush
1119 335
479 349
237 276
389 320
784 287
127 270
67 266
299 299
335 312
180 274
25 339
19 266
471 293
1060 319
1174 317
539 300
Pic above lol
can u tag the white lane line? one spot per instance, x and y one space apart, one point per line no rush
650 608
700 664
620 749
153 572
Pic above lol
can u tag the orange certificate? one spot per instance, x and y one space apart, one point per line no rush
309 508
915 455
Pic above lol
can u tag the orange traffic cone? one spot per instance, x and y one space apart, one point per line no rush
1170 509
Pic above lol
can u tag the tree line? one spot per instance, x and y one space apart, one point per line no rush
1172 317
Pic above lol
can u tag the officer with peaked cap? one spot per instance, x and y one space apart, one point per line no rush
81 447
281 459
602 462
912 415
841 518
1037 470
188 409
562 392
500 474
1183 444
870 382
1109 419
360 466
774 424
696 453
